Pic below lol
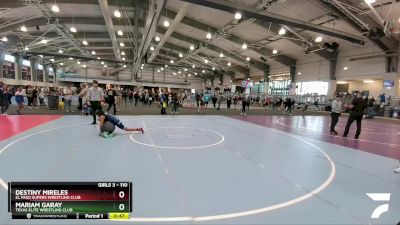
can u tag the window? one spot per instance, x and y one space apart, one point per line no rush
26 63
9 58
313 87
40 67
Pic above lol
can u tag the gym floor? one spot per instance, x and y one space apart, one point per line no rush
213 169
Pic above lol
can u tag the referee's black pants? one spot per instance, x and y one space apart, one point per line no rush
95 105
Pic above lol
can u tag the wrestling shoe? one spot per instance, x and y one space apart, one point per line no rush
141 130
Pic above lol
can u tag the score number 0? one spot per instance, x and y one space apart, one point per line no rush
121 194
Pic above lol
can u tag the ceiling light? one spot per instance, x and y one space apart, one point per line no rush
191 47
162 69
203 71
221 55
55 8
166 23
52 59
274 51
142 64
368 81
185 69
189 75
79 62
208 36
195 73
158 71
151 48
179 71
105 66
23 28
180 55
213 68
244 46
122 44
174 73
120 33
193 66
117 13
141 67
4 39
98 58
172 61
93 52
157 38
60 51
61 64
166 66
205 61
341 82
345 68
124 66
238 16
70 58
26 48
44 41
299 73
122 53
248 58
84 66
41 56
123 58
229 64
84 42
370 1
318 39
102 63
73 29
282 31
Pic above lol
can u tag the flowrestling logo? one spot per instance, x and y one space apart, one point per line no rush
379 197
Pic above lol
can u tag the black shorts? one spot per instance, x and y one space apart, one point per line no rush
120 125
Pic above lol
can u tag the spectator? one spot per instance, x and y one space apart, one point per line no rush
219 100
34 97
111 98
5 97
19 98
28 94
68 93
82 94
371 105
41 97
335 113
163 102
382 98
228 101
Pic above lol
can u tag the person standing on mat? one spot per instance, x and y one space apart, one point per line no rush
104 117
357 108
111 98
335 113
95 97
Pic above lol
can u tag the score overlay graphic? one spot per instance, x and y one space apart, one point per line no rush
70 200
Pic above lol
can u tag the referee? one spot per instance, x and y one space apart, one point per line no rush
95 97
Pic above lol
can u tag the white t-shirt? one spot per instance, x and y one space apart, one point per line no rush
67 94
